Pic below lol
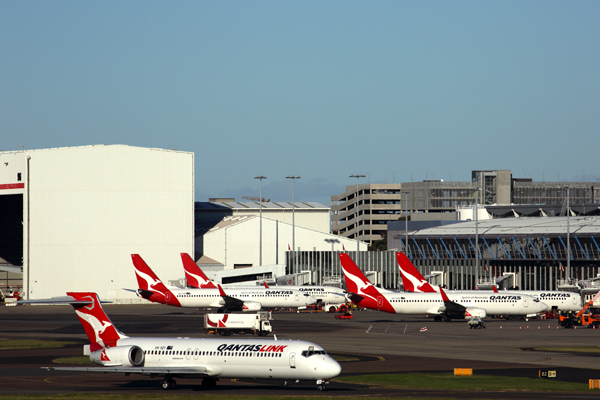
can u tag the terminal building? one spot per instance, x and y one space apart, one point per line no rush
364 210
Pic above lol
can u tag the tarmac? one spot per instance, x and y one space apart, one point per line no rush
375 342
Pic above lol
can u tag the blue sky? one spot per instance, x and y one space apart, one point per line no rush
323 90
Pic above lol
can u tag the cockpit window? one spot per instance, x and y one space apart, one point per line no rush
311 352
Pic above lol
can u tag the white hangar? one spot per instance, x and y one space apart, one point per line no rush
230 232
73 216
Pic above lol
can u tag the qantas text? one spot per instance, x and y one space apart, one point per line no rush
505 297
251 347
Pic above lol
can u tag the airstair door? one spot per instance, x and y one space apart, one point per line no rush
292 360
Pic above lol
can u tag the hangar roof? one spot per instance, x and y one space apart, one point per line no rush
517 226
269 205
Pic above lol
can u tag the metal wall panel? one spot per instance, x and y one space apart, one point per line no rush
91 207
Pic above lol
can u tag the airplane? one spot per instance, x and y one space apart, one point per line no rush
151 288
415 282
195 358
443 307
196 278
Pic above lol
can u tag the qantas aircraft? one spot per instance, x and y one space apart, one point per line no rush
446 307
151 288
195 358
415 282
197 279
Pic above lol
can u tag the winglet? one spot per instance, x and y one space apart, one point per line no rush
494 289
221 291
444 297
266 286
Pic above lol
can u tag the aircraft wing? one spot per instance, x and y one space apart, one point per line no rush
199 371
450 307
231 303
59 300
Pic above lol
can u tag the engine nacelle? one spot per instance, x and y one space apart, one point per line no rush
126 356
251 306
475 312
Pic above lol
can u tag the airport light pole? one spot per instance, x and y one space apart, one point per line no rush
568 237
477 236
293 178
260 177
357 176
405 192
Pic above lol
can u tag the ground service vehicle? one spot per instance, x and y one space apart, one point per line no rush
227 324
581 318
476 323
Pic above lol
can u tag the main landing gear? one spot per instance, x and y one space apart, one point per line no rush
168 384
209 382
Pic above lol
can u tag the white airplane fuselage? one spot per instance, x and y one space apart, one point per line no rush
326 294
268 298
563 301
238 358
432 303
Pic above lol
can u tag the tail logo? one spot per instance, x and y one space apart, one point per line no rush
151 282
200 282
415 284
411 278
98 327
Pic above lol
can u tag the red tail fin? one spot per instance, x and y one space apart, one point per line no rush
411 277
362 292
355 279
194 275
151 287
99 329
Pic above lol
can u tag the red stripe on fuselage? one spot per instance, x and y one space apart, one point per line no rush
12 186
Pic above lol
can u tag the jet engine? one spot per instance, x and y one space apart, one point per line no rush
126 356
251 306
475 312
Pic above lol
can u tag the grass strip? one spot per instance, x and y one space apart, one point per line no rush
447 381
80 360
95 396
26 344
573 349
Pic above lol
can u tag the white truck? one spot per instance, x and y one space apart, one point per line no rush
227 324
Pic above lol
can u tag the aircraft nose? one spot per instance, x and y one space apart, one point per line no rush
334 368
